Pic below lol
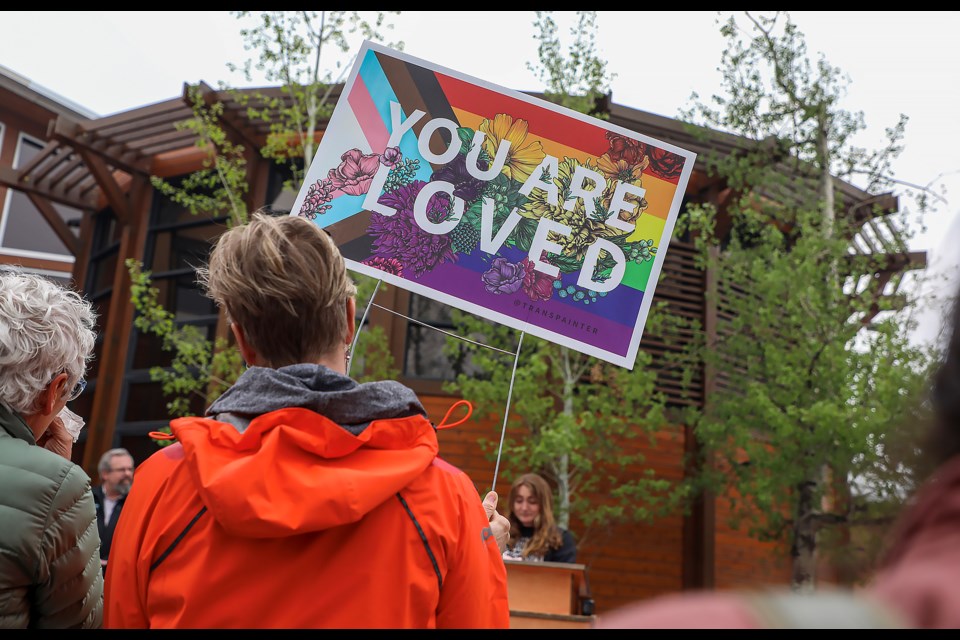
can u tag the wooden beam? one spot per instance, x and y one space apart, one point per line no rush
180 161
10 178
699 526
70 132
81 264
59 173
174 145
40 171
175 112
104 177
239 128
878 206
56 223
881 262
116 333
108 123
146 146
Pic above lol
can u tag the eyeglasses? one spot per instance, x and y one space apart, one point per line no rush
122 470
77 389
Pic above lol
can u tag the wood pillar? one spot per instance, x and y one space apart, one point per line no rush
699 527
82 261
117 331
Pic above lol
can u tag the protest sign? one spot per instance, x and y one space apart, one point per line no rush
496 202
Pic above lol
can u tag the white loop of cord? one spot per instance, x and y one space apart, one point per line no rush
513 374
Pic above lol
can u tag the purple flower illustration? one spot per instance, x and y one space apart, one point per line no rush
400 237
465 186
503 277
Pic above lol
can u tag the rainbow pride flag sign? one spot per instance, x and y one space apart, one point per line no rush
495 202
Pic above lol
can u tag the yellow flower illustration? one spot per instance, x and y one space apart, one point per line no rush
522 158
537 206
621 170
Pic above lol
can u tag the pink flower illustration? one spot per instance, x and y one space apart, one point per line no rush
536 284
355 173
318 195
391 156
389 265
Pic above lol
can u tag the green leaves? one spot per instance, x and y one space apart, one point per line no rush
200 370
806 393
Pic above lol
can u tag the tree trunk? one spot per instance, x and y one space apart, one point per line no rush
562 466
826 179
804 551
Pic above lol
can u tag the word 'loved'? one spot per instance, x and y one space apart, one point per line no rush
491 242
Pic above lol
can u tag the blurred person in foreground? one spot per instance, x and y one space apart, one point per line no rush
303 499
534 533
916 582
50 574
116 478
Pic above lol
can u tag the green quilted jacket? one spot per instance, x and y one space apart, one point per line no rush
50 576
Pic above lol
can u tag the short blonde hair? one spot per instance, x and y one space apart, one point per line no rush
283 280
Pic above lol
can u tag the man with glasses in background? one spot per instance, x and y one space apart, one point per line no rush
116 477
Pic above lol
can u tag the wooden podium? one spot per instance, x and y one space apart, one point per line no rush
546 595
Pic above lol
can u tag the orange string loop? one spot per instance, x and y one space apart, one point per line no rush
443 423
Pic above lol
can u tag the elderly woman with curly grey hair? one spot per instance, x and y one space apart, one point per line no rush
50 573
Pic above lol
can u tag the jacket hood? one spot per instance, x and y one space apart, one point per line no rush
302 449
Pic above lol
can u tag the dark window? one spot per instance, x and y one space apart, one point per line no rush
178 242
280 198
425 356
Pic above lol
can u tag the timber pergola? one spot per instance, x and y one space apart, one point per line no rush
108 162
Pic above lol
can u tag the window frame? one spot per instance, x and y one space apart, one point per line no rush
67 259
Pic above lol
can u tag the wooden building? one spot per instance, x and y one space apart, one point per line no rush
78 203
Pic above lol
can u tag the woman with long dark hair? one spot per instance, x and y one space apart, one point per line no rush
534 534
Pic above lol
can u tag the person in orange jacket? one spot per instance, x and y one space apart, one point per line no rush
303 498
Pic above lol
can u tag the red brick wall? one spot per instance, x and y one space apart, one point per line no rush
627 562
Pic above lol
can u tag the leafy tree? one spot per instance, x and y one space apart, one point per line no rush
577 420
815 371
578 79
289 47
219 187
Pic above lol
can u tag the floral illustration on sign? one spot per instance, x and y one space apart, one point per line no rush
400 237
387 265
503 277
401 247
351 177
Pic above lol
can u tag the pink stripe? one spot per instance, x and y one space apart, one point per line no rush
368 117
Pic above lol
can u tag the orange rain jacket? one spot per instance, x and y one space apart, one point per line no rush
297 523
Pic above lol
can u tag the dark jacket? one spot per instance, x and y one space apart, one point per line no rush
50 574
106 528
566 552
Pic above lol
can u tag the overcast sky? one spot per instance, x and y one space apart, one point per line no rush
898 62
